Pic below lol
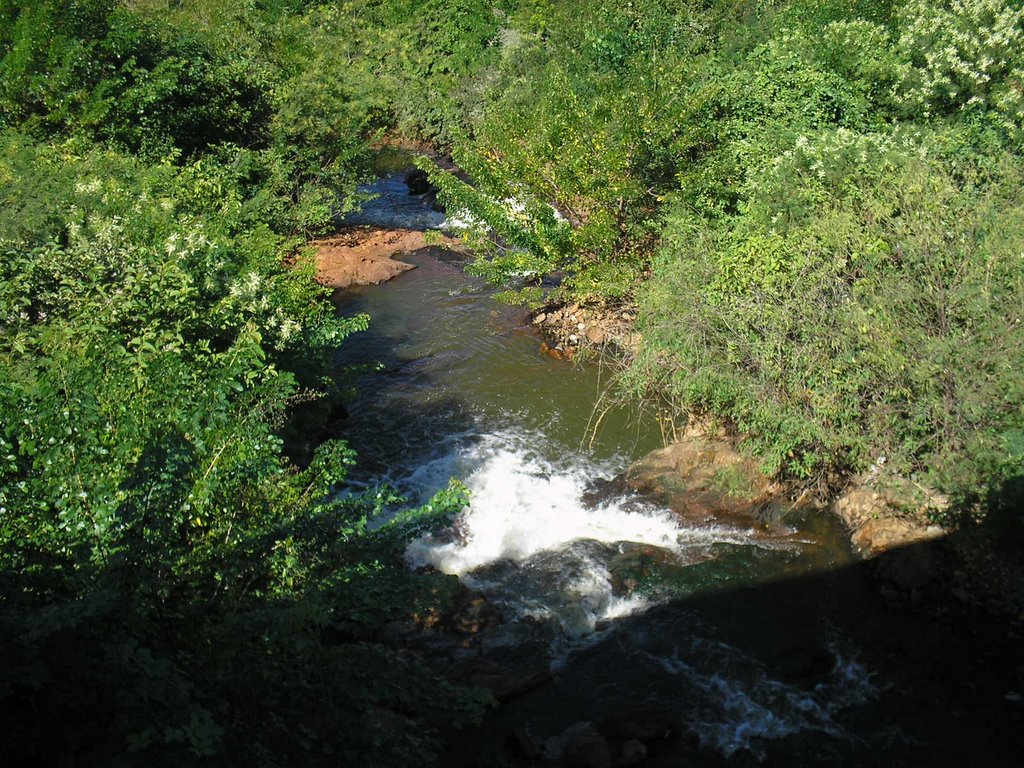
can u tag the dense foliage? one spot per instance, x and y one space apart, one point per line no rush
854 294
172 589
816 206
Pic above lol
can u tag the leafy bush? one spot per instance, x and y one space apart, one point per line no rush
864 304
832 184
172 589
91 66
960 53
575 143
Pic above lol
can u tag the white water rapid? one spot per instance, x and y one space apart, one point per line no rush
535 536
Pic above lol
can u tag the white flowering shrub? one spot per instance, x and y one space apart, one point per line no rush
961 52
787 188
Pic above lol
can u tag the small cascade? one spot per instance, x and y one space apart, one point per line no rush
531 540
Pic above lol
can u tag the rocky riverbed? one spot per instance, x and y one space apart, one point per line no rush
569 329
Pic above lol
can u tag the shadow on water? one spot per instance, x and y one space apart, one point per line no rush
870 664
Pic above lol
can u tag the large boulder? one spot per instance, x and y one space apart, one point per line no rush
579 746
363 256
704 477
588 750
890 521
637 567
631 753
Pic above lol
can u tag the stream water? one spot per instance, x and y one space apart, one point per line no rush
752 638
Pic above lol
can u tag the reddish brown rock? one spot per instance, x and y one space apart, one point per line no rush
883 513
556 352
363 255
885 533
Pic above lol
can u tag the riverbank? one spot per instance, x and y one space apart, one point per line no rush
698 471
880 511
890 521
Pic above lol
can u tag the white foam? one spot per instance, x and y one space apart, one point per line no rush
744 705
522 504
531 542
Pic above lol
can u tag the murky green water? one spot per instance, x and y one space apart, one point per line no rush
454 360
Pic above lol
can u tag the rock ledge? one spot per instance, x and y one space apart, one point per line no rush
363 255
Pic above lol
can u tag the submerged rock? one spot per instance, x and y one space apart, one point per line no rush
642 725
637 567
632 752
558 353
418 182
504 682
580 746
602 491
